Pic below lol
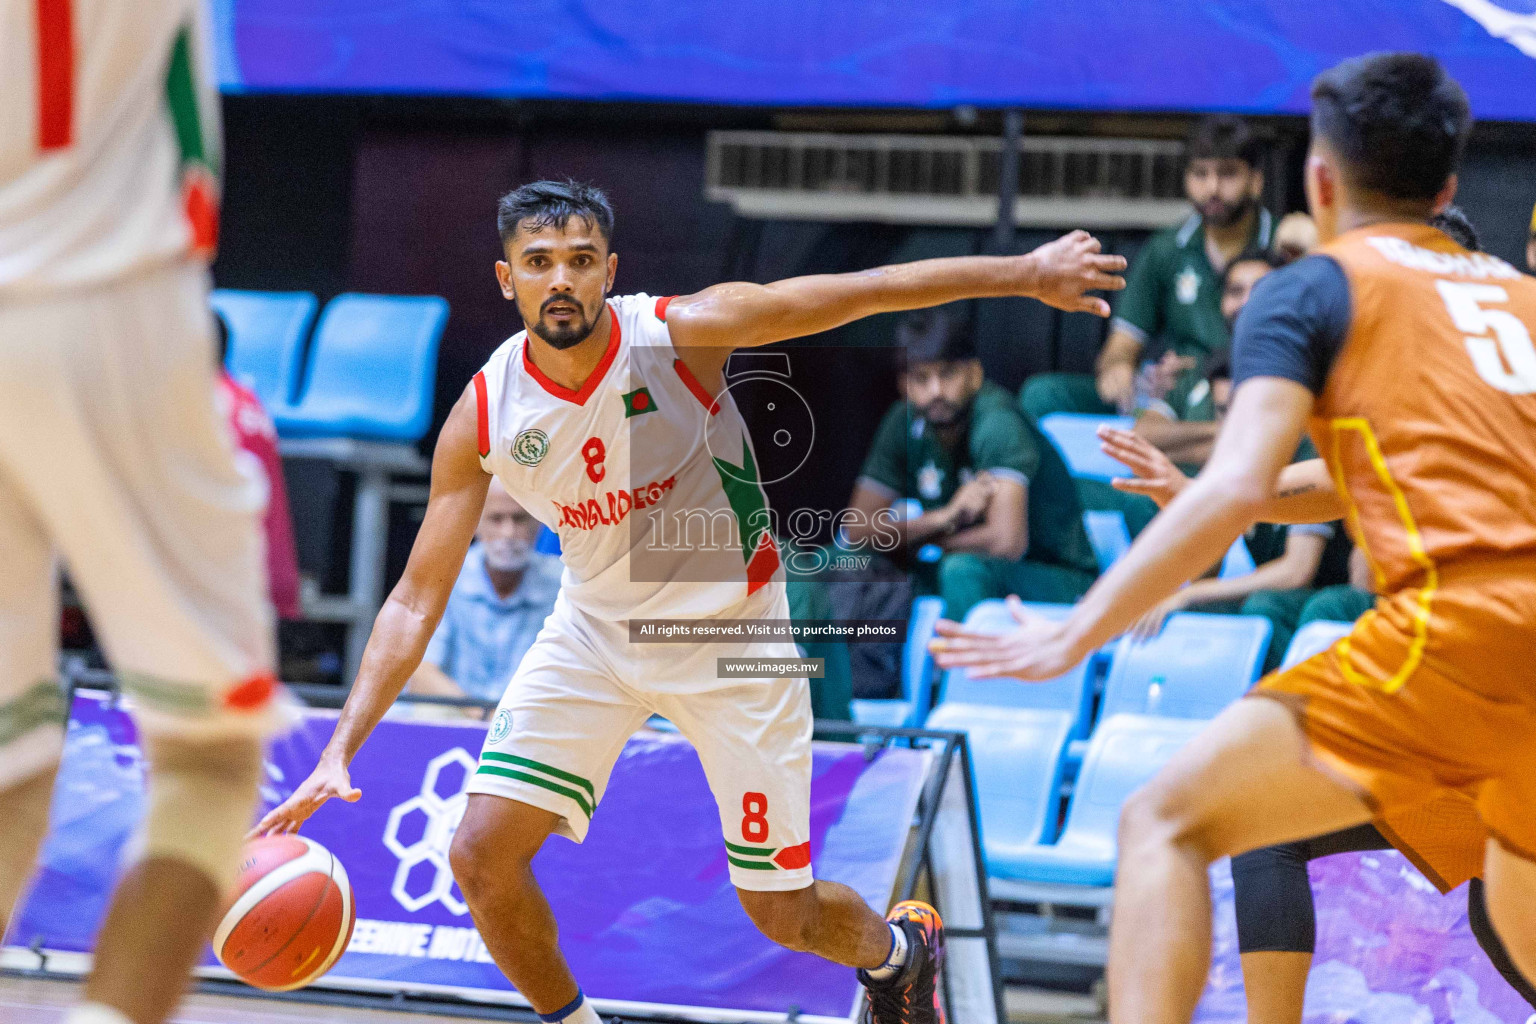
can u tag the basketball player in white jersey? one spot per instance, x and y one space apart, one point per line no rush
114 456
608 421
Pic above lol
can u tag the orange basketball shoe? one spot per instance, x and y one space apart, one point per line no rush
911 997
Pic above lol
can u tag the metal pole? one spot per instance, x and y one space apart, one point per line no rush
1008 179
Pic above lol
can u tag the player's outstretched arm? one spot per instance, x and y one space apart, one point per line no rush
1199 524
405 623
742 315
1304 493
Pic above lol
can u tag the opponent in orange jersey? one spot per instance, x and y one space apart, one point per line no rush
1412 363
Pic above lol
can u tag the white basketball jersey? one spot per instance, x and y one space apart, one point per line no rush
651 483
108 139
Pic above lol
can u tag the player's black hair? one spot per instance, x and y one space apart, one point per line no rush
1454 222
1225 137
1274 259
542 204
1397 120
941 334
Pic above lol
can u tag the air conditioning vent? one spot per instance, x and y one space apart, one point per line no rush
926 179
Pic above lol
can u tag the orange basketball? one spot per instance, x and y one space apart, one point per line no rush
291 916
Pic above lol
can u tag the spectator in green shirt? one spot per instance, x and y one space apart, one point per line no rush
1184 422
995 497
1173 289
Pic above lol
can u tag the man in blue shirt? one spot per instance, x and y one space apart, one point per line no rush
498 605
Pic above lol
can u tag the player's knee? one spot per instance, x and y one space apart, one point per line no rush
786 918
201 796
1157 816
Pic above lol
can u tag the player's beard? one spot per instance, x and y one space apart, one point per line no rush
944 414
569 335
1221 214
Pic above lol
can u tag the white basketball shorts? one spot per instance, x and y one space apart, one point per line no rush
571 706
114 455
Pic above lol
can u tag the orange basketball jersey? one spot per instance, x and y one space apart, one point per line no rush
1428 416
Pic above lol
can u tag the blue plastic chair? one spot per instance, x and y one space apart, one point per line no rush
1108 534
372 369
1195 667
1238 561
1159 694
548 542
916 674
1018 734
1314 638
1126 751
1075 436
266 340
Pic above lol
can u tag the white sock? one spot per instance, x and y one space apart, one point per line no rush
895 960
578 1011
95 1013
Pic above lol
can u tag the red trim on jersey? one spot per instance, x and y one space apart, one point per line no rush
55 74
593 379
792 858
482 415
764 563
661 307
695 388
252 694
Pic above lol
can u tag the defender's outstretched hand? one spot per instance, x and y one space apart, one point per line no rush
1156 475
1035 650
329 779
1072 266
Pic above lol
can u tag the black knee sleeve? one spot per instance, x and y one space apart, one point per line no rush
1273 899
1482 929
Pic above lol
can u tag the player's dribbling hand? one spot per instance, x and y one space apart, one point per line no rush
1034 650
1156 475
1070 267
329 779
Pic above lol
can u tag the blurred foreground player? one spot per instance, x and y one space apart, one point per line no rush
1412 362
608 421
113 454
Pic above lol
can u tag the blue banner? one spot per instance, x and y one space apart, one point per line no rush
633 901
1253 56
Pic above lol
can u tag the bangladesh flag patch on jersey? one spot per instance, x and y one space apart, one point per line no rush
638 401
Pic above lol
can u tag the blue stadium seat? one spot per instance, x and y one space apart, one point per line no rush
1126 751
372 369
548 542
1108 534
1074 435
1159 694
1195 667
916 674
1314 638
1238 561
1018 734
266 340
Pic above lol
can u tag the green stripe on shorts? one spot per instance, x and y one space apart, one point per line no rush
42 703
539 766
752 865
186 699
748 851
536 780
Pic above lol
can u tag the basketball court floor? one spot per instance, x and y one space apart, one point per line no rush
37 1001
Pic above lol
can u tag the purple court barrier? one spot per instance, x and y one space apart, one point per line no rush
648 917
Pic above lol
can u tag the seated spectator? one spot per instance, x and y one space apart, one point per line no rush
1183 424
994 496
1171 290
496 608
255 434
